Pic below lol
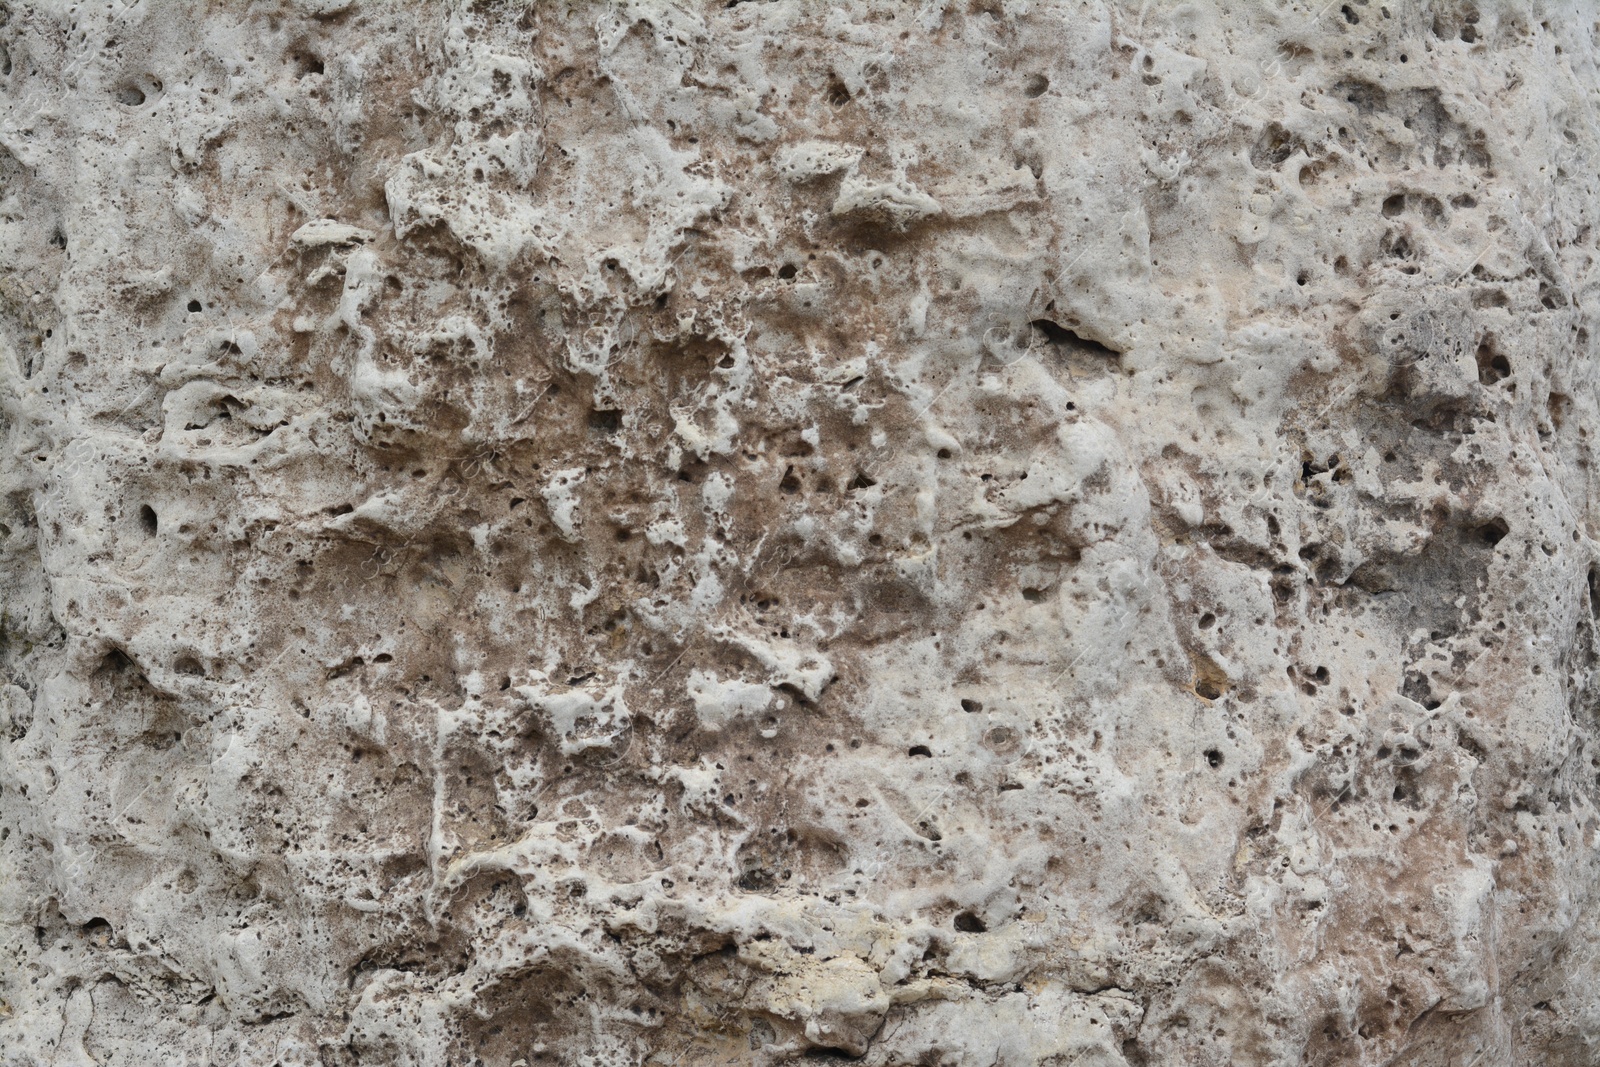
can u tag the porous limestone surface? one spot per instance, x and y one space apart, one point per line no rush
961 532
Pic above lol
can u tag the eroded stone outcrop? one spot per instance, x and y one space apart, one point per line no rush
1005 532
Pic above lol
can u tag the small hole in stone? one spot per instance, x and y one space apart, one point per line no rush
147 519
919 750
605 421
1492 366
1213 758
969 923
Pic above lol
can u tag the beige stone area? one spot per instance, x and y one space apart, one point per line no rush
937 532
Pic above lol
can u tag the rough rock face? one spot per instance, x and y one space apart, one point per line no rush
1002 532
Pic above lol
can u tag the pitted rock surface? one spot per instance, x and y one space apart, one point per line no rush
1001 533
